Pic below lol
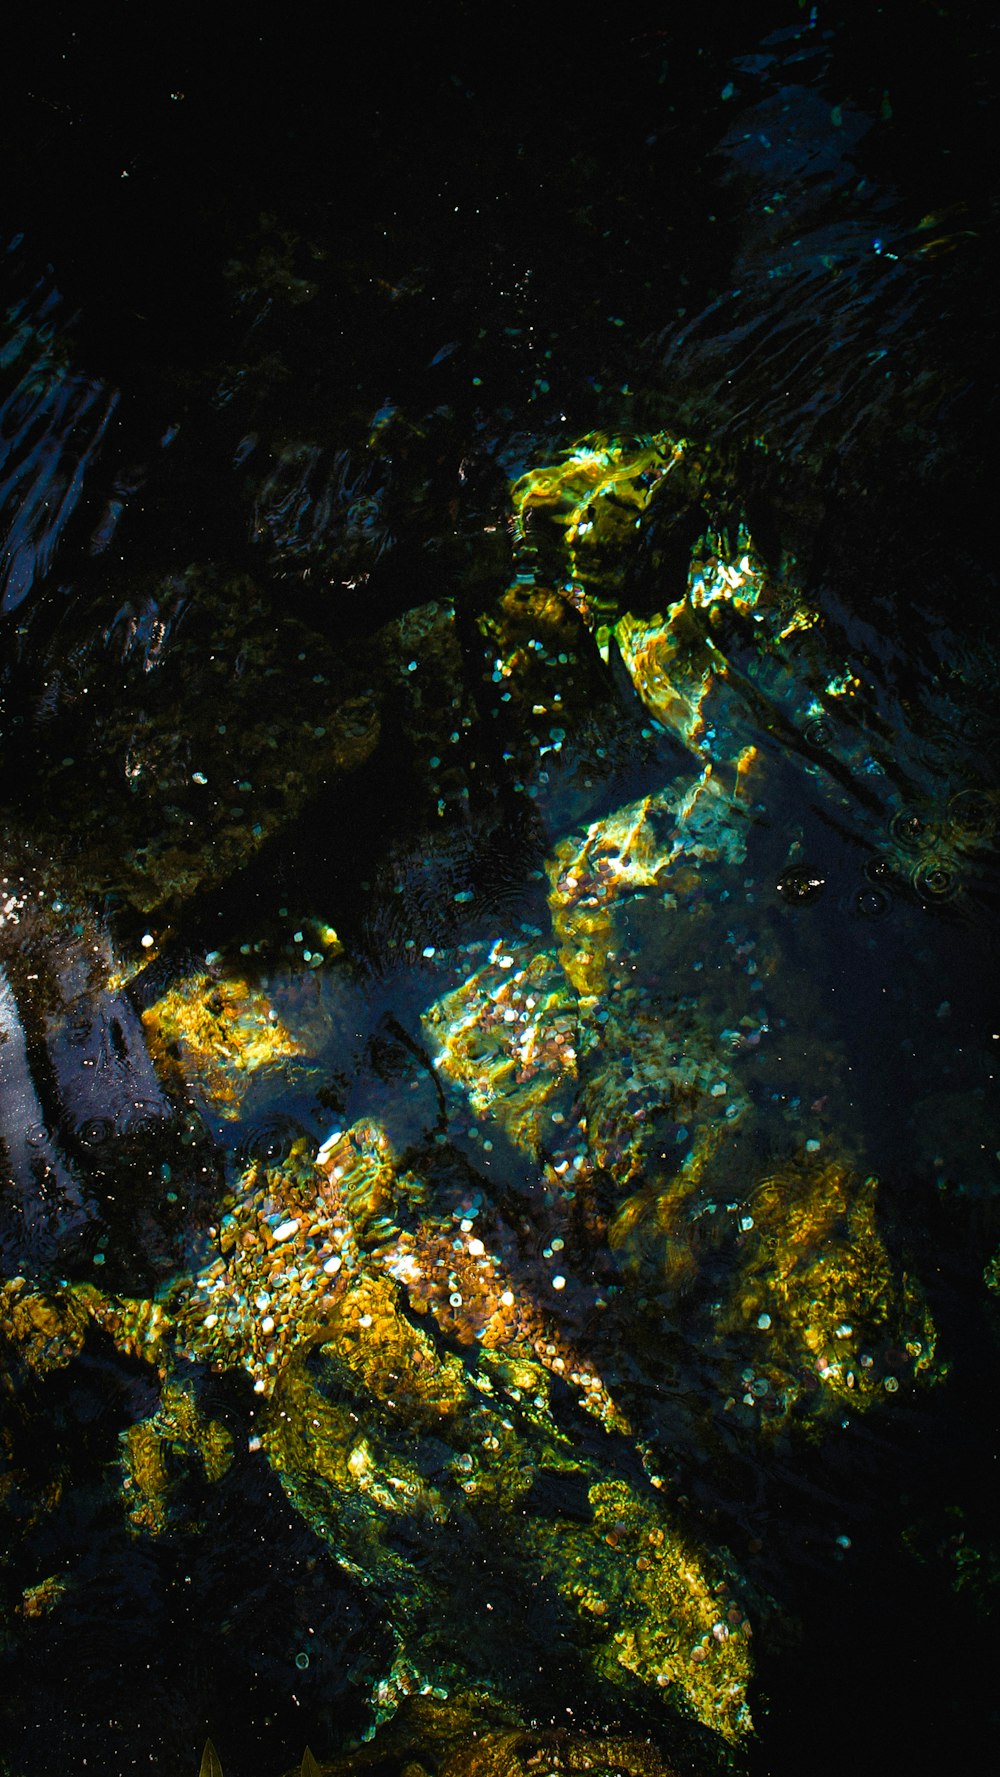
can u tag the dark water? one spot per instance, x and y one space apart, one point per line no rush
328 725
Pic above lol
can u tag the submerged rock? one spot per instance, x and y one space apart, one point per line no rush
603 1212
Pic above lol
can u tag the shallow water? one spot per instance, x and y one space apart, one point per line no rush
499 798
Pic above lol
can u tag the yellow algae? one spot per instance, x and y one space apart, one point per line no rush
218 1034
46 1328
653 844
270 1289
817 1299
508 1036
359 1165
347 1481
466 1288
656 1615
38 1600
390 1357
345 1438
158 1451
673 665
145 1484
665 1080
594 498
654 1230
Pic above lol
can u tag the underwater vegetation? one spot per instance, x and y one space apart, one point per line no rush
608 1135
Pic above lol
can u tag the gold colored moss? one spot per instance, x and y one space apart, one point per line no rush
653 1230
46 1329
38 1600
218 1033
815 1267
390 1357
591 500
660 844
655 1616
157 1449
341 1454
508 1036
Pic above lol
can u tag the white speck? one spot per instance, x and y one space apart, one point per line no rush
198 777
365 1321
211 1320
506 962
428 950
259 1386
329 1144
466 1225
476 1248
719 1089
455 1299
746 1223
286 1230
332 1266
147 940
508 1298
558 1282
253 1443
267 1324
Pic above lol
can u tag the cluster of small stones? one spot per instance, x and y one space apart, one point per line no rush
447 1270
272 1286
